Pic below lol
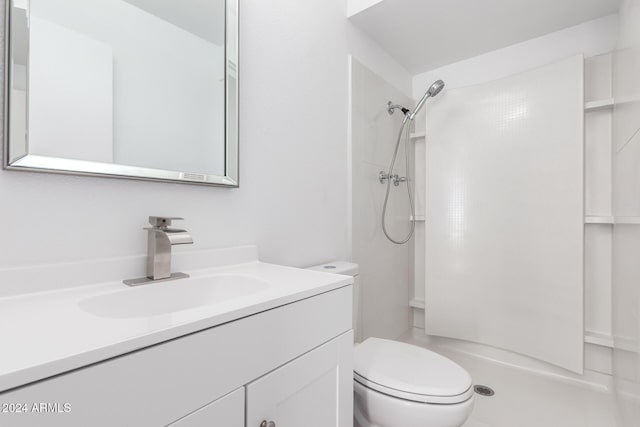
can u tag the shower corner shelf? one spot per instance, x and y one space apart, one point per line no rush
603 104
624 220
599 219
627 220
416 303
596 338
417 217
420 135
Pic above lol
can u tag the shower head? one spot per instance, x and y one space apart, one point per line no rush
433 90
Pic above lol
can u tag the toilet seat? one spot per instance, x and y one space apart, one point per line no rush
409 372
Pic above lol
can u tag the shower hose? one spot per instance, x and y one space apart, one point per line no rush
404 130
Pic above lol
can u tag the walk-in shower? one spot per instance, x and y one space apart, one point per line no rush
388 177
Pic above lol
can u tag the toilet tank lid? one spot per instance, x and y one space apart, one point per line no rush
337 267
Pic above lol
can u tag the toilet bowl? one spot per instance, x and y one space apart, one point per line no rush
402 385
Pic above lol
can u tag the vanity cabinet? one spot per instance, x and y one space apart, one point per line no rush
228 411
310 391
290 364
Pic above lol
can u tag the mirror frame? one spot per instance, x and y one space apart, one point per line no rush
23 161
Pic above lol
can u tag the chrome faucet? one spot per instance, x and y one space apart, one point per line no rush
161 238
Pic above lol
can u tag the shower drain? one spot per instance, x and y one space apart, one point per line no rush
483 390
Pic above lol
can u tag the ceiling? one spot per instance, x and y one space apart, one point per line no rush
426 34
204 18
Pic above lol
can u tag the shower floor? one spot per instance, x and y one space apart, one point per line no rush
525 399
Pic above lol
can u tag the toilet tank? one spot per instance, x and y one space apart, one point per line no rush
348 269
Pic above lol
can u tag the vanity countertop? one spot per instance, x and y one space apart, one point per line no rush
49 332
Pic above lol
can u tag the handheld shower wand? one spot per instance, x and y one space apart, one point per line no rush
433 90
409 117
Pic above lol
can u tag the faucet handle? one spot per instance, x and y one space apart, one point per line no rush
163 221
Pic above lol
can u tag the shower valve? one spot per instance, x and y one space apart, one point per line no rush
398 179
383 177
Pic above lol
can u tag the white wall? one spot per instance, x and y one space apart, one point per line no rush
591 38
355 6
626 208
378 60
384 266
292 201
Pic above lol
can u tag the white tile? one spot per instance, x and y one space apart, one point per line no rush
504 208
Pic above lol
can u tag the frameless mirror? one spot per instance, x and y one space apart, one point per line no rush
142 89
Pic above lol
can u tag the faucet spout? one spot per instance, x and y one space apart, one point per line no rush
177 236
161 239
159 250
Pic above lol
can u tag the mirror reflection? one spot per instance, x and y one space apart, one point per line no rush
135 83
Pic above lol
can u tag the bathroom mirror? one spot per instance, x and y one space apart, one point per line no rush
143 89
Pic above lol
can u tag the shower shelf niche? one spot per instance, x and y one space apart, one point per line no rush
596 338
598 219
627 220
417 303
603 104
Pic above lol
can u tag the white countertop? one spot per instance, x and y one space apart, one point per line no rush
47 333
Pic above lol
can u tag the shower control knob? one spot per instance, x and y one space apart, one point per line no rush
398 179
383 177
267 424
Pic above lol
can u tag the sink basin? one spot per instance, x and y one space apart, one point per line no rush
169 297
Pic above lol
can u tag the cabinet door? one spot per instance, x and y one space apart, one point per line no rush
314 390
228 411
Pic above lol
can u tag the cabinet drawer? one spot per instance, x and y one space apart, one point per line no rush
159 384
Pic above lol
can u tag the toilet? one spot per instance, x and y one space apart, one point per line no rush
402 385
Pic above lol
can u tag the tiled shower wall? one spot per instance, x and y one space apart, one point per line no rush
595 40
598 219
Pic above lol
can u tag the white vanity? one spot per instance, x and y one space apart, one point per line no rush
239 343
